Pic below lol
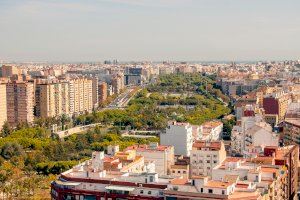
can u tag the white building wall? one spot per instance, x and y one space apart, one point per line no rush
180 136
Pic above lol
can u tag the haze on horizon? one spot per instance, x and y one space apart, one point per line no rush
195 30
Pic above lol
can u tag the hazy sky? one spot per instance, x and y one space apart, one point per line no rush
201 30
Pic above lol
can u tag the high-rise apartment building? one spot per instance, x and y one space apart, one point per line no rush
80 91
117 83
49 102
102 92
65 96
95 92
20 102
3 107
9 71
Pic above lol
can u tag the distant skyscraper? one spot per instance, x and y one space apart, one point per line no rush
20 102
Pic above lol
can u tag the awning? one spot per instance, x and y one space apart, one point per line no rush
120 188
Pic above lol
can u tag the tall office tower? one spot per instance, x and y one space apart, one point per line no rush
49 100
102 92
9 71
95 92
20 102
80 91
3 107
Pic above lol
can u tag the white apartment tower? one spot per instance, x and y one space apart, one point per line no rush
179 135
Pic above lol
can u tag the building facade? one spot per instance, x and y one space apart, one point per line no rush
3 106
179 135
205 156
20 102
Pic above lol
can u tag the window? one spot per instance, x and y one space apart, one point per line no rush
142 192
149 192
201 190
223 191
151 179
178 172
215 161
193 182
184 172
208 168
210 191
173 171
208 156
215 156
208 161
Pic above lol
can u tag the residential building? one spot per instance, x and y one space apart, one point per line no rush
291 131
117 83
49 100
211 130
205 156
276 104
20 102
181 167
65 97
102 95
253 132
80 93
9 71
179 135
95 179
162 156
3 105
95 92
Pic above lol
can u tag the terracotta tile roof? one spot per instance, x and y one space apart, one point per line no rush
144 147
269 170
179 181
204 144
217 184
233 159
212 124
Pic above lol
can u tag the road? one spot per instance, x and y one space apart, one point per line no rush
118 103
123 99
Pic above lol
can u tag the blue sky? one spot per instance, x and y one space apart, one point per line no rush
198 30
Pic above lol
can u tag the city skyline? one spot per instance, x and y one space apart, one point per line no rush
77 31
